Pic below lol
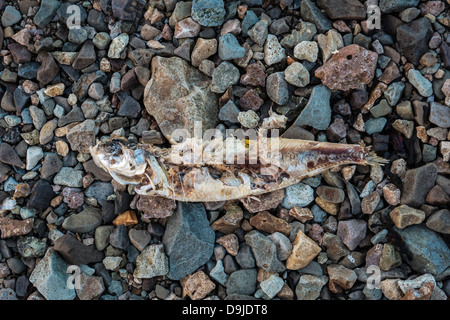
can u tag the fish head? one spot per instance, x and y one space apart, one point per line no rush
122 159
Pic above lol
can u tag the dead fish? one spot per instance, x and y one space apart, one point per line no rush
172 173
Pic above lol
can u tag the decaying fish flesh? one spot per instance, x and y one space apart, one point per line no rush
173 173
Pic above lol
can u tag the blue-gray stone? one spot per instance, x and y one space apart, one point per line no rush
428 153
10 185
218 273
85 221
65 13
10 16
31 247
115 288
100 191
208 13
229 47
188 240
318 213
388 6
264 251
50 277
381 109
311 13
8 294
229 112
245 258
242 282
383 61
28 70
375 125
46 12
249 21
428 251
318 104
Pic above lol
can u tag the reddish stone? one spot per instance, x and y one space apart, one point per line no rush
255 76
349 68
316 233
251 101
129 81
12 227
432 7
373 256
48 69
391 72
155 207
74 197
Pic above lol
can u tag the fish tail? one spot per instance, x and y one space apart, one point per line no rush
371 158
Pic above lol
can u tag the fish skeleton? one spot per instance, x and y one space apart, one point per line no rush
171 172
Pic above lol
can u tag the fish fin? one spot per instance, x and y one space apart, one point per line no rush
373 159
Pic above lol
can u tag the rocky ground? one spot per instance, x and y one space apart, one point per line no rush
142 68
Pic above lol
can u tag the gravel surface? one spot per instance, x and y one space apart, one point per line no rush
143 68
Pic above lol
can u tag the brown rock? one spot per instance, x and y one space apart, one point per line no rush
329 207
264 221
255 76
186 28
250 101
404 216
437 197
197 285
331 194
263 202
48 69
304 250
391 194
155 207
230 242
352 232
12 227
301 214
424 293
341 278
129 81
335 248
370 203
231 220
23 190
203 49
19 53
85 57
390 73
349 68
390 289
128 218
373 256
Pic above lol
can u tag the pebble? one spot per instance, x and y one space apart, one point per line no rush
298 195
419 82
83 222
304 250
50 277
224 76
186 28
439 115
248 119
310 286
439 221
348 68
218 273
264 251
272 286
34 154
198 285
428 250
229 48
200 235
118 45
208 13
318 103
259 32
273 51
352 232
341 278
297 75
152 262
306 50
242 282
10 16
